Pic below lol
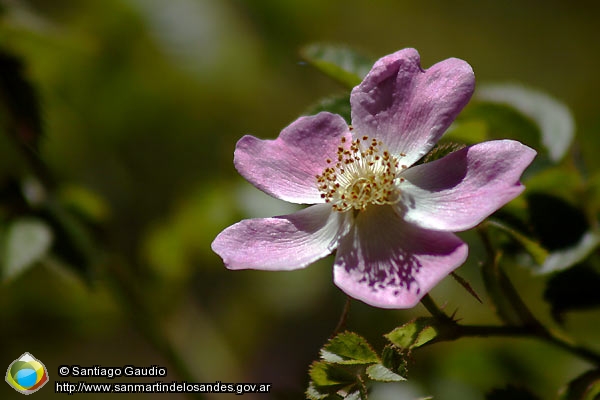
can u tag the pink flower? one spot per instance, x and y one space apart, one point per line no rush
389 221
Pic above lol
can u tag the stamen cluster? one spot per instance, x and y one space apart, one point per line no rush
362 174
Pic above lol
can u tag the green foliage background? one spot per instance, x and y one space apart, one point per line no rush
142 103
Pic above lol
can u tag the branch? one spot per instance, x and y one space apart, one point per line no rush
525 332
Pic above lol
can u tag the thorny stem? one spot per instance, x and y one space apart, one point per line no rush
451 330
459 331
433 308
529 326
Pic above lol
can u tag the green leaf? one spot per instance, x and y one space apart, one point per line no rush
338 62
573 289
334 381
326 374
355 395
566 183
339 104
393 360
314 393
380 373
536 250
562 259
553 118
467 131
349 348
501 121
585 387
415 333
27 241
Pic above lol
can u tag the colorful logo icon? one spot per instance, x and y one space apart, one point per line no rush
27 374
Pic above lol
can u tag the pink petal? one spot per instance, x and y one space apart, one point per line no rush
281 243
286 167
460 190
409 108
389 263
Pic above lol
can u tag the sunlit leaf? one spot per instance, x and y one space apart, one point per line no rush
380 373
584 387
27 240
338 62
414 334
562 259
314 393
355 395
554 119
349 348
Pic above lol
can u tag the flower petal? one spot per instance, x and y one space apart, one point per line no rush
281 243
409 108
389 263
286 167
460 190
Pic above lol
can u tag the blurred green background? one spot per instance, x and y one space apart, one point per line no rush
143 102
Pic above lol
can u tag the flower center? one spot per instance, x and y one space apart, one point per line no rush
362 174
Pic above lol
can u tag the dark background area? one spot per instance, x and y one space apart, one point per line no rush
142 104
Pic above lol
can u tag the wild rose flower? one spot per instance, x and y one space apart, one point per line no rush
389 221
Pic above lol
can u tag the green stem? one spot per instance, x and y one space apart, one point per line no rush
502 292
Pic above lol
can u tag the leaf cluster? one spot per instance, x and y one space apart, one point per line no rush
348 364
